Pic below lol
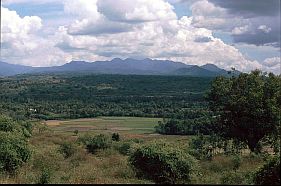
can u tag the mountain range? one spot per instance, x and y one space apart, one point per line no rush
118 66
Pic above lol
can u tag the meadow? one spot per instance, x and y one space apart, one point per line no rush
109 165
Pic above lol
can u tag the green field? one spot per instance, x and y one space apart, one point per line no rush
134 125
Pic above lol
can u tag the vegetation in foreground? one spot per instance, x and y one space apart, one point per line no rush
222 156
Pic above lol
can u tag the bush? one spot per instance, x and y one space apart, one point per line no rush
233 178
125 148
7 124
200 147
45 177
269 174
75 132
98 142
162 163
67 149
236 160
115 137
14 151
84 139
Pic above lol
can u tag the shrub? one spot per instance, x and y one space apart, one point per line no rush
269 174
236 160
14 151
115 137
201 147
75 132
67 149
232 178
162 163
125 148
85 139
45 177
98 142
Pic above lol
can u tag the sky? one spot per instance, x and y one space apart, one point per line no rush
244 34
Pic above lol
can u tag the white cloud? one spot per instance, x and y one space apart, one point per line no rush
104 29
162 39
21 44
240 30
137 10
272 65
264 28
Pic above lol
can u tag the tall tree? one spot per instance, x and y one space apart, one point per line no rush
248 106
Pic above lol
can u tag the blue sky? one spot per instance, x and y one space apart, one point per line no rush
226 33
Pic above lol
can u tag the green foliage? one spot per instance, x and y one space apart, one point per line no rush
115 137
67 149
74 96
84 139
45 177
162 163
125 148
7 124
235 177
76 132
236 160
14 151
247 107
185 126
95 143
269 174
202 147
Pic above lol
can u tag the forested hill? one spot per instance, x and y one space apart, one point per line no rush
78 96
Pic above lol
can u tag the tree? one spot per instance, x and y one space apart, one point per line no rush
247 107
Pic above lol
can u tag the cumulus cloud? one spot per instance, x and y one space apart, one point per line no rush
104 29
272 65
170 39
136 11
253 22
20 43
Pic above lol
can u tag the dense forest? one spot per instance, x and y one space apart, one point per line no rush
78 96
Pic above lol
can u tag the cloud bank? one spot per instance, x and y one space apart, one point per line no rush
104 29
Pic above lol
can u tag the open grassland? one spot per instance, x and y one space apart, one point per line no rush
110 165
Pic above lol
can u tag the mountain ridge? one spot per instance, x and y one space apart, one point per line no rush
145 66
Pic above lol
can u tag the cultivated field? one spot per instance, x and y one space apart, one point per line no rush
111 124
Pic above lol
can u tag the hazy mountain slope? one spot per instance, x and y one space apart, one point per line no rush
195 71
118 66
7 69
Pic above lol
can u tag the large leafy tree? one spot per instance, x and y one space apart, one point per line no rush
247 106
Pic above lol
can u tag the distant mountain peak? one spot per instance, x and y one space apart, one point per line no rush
117 59
127 66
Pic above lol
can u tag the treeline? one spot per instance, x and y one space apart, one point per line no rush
244 108
65 96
